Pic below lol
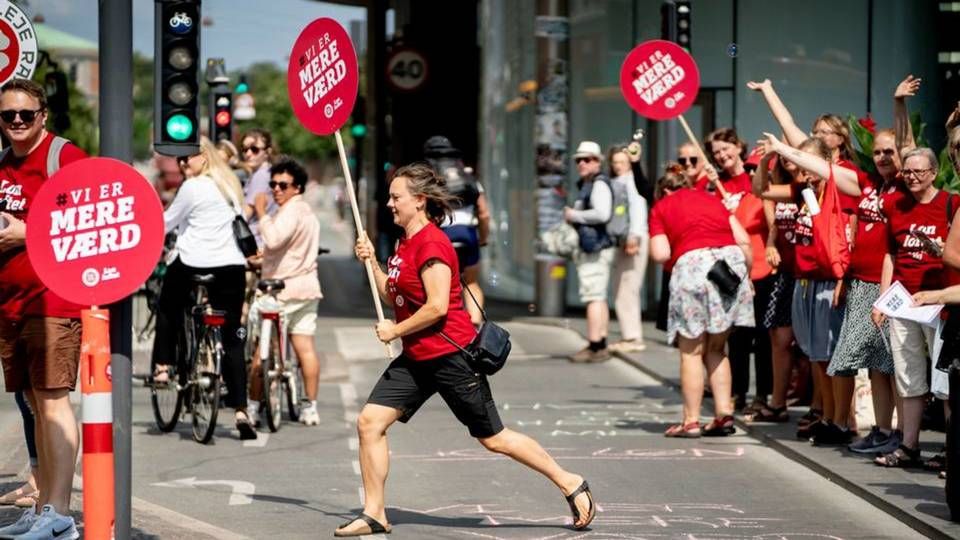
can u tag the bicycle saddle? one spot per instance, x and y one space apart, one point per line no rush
205 279
267 285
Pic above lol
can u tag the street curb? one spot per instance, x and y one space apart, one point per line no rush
898 513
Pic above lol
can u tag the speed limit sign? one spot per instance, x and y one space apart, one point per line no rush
406 70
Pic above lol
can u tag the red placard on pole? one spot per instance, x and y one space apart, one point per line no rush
322 82
322 77
659 80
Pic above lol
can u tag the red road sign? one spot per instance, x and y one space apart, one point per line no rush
18 43
659 80
322 77
95 231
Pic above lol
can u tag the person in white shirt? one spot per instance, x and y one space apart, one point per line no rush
202 214
630 262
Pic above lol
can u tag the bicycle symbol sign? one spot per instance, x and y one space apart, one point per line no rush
181 23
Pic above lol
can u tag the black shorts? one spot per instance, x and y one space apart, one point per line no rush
407 384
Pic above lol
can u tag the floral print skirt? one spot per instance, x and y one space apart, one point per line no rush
696 305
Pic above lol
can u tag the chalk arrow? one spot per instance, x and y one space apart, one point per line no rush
242 492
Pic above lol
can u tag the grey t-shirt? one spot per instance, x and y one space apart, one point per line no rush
259 183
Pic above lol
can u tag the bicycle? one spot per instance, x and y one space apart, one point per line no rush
194 379
279 369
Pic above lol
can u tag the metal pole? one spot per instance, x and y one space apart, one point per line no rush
116 136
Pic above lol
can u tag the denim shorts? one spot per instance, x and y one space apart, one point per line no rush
407 384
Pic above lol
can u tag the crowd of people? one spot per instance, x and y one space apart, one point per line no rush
779 255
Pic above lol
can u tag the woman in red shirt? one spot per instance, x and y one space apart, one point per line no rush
917 224
421 284
862 345
691 232
727 152
816 314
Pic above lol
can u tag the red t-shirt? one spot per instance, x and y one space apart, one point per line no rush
913 267
734 185
870 245
785 220
691 219
849 202
405 288
750 214
21 291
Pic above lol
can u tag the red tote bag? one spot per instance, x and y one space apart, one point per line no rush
830 249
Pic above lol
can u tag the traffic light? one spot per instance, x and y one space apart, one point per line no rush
358 119
58 99
176 77
675 22
221 113
683 24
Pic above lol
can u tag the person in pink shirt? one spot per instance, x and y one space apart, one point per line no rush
291 239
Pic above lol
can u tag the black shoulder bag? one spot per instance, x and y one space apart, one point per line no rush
241 229
488 352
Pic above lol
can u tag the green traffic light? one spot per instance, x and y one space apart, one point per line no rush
358 130
242 88
179 127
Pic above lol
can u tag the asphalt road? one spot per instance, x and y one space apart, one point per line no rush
603 421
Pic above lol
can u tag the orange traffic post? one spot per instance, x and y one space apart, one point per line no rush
97 413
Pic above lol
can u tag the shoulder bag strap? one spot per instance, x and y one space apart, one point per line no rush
53 155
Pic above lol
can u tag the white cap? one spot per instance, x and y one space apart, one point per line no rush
588 149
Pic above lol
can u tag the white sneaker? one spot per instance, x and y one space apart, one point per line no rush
21 525
253 413
50 525
308 413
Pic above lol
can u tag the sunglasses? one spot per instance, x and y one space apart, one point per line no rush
582 159
253 149
183 160
692 160
26 115
282 185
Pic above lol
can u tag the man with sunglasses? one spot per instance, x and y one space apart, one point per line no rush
594 259
39 331
256 148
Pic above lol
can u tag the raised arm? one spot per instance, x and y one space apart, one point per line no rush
761 178
795 135
846 179
901 117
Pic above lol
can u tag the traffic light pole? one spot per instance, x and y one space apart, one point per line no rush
116 141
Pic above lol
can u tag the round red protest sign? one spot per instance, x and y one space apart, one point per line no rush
95 231
322 77
659 80
18 43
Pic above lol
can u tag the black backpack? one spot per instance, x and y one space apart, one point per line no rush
460 184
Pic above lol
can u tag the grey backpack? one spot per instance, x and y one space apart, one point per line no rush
53 154
618 228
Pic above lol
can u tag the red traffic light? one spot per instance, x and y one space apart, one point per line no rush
222 118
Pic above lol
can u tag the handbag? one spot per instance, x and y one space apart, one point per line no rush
241 229
726 280
830 249
488 352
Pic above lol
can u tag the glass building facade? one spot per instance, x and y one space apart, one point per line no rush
822 56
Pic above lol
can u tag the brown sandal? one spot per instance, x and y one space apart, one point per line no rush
690 430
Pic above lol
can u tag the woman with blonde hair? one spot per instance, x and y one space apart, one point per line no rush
202 215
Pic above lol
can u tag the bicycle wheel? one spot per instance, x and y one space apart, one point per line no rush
166 397
272 369
205 387
293 384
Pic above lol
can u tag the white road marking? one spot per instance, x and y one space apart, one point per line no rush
259 442
353 443
356 467
241 492
141 507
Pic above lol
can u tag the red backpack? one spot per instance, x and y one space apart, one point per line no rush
830 249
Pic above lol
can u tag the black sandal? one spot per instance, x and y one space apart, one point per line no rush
591 512
373 527
938 462
906 458
767 413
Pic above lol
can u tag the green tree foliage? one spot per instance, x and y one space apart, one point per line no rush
142 107
84 130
